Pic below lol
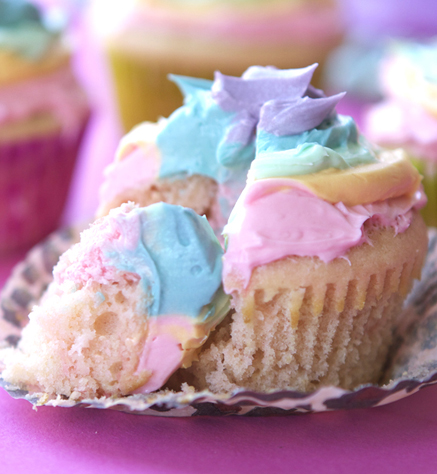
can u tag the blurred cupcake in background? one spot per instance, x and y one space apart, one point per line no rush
370 27
148 39
407 117
43 115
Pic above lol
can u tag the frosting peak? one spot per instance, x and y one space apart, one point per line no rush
290 117
258 85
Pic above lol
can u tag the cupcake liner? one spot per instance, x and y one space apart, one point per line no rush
34 183
412 364
332 325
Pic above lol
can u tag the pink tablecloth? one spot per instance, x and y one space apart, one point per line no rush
401 437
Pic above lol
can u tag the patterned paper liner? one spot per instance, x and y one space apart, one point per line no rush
413 364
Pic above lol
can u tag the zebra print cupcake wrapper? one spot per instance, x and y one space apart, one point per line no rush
412 365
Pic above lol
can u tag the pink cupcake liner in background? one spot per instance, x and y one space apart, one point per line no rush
411 367
35 176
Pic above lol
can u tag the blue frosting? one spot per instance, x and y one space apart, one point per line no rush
337 132
14 12
196 137
24 30
213 134
178 258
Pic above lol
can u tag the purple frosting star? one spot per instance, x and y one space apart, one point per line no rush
290 117
259 85
281 102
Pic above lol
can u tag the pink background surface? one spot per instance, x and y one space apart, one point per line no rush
401 437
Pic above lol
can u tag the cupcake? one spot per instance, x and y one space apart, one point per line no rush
130 303
42 120
321 250
147 39
199 157
322 247
408 116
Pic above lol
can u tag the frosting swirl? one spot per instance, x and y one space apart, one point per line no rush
334 143
170 249
213 133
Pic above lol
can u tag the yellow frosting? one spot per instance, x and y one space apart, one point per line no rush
393 176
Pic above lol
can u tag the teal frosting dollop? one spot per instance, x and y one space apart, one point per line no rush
335 143
24 30
195 137
178 259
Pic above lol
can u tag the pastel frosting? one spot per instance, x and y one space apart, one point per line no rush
35 75
274 219
334 143
24 30
202 137
176 259
309 194
213 134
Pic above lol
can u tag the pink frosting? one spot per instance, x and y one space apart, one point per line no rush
162 354
268 224
57 93
395 123
137 169
303 23
86 262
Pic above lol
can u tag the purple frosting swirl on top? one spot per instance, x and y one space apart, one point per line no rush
290 117
281 102
256 87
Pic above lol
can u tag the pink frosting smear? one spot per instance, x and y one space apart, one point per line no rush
162 354
57 93
104 235
268 224
396 123
139 168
